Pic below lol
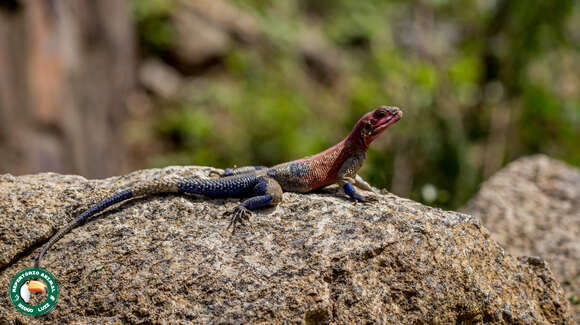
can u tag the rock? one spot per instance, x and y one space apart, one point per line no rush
208 29
532 207
197 41
238 23
316 258
159 78
323 61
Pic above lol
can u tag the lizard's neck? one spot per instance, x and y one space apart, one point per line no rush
355 141
320 169
340 152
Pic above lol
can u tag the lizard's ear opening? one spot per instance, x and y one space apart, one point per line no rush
368 128
366 132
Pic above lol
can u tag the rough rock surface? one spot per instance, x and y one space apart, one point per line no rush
316 258
532 207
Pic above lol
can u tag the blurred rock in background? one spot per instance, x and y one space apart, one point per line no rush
532 207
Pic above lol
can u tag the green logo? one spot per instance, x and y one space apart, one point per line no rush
33 291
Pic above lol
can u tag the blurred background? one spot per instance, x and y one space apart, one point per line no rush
100 88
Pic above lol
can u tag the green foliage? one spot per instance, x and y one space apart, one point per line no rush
152 17
480 82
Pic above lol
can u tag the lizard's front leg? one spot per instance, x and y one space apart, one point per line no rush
267 192
363 185
347 185
347 177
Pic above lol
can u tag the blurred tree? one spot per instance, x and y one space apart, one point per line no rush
66 68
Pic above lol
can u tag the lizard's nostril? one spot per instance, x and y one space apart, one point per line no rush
395 110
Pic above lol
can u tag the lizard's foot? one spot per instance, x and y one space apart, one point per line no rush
366 199
240 214
225 173
215 174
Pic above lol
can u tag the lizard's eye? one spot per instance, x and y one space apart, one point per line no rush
380 113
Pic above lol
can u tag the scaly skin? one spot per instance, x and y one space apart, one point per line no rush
264 186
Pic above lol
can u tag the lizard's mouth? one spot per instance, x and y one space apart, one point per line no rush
388 116
388 120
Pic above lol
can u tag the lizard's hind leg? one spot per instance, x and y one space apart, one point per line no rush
266 193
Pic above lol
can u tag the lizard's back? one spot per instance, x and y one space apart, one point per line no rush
309 173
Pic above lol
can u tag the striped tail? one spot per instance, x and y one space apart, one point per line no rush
165 185
119 197
240 185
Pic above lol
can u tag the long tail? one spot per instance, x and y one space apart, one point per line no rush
240 185
168 185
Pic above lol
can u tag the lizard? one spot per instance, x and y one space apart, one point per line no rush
263 186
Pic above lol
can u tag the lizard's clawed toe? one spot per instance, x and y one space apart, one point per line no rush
240 215
370 199
366 199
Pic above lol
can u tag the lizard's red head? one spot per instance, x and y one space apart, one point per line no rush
373 123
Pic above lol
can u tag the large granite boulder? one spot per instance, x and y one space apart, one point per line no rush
532 207
316 258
